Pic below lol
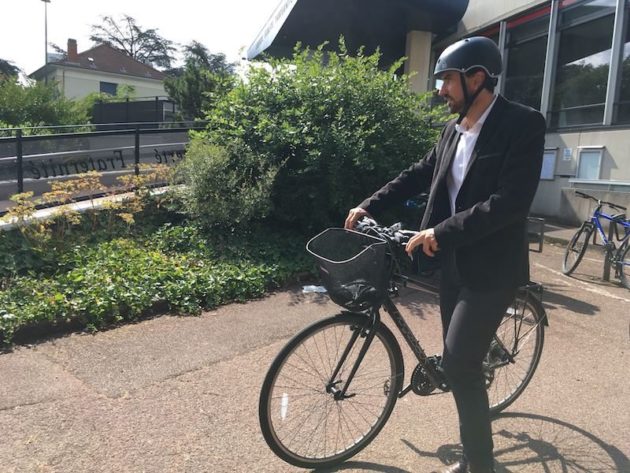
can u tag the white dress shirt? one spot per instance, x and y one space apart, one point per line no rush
465 147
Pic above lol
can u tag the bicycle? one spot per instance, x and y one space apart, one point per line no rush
617 257
332 388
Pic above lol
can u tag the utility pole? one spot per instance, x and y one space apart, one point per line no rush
46 2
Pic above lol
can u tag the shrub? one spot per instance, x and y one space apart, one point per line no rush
225 185
35 105
321 132
179 268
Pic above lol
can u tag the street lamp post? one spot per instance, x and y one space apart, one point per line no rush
46 2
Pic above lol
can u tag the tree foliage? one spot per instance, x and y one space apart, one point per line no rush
330 128
36 104
8 69
203 79
125 35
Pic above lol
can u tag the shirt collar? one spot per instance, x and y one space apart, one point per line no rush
476 128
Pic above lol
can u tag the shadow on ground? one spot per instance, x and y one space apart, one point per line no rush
531 442
363 466
554 298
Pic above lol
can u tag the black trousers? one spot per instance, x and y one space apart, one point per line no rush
469 320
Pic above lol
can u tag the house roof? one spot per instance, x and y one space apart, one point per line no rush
104 58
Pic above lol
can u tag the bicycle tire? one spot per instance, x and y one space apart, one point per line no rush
311 429
576 248
514 352
624 270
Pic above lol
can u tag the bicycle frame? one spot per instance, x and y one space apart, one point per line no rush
374 319
595 220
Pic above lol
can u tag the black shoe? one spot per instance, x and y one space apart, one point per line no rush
459 467
463 467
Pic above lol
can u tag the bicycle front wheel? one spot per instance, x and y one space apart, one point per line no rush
301 418
624 269
576 248
514 352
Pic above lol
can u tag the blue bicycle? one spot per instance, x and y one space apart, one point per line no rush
616 245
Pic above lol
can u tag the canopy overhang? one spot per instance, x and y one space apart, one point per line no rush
370 23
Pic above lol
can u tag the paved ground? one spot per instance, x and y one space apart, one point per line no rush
176 394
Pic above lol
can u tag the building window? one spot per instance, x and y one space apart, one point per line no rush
589 163
525 64
108 88
623 103
583 62
548 170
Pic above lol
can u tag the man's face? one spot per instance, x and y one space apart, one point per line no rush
451 90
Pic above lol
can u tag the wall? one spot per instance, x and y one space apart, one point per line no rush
556 198
77 83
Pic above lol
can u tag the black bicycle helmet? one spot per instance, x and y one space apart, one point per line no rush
467 55
471 53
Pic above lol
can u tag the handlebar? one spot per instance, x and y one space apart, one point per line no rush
395 233
600 202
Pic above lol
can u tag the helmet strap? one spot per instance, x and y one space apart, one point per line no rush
468 99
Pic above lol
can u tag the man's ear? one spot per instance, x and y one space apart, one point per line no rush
478 79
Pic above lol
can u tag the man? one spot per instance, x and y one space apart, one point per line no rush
481 177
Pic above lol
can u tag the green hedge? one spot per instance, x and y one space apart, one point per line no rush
176 268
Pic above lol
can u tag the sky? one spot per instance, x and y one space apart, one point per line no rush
223 26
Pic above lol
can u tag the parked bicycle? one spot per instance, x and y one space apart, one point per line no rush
332 388
616 246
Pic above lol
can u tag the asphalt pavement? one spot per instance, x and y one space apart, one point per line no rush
180 394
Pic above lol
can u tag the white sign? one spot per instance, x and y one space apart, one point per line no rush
567 155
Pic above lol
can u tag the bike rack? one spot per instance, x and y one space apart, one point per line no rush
611 233
536 226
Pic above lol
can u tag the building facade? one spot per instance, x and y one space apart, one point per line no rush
570 59
100 69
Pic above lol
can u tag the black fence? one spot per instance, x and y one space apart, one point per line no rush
31 162
107 115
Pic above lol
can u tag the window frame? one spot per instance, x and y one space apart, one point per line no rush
600 158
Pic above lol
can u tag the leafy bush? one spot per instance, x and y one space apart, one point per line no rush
179 268
36 105
222 189
306 139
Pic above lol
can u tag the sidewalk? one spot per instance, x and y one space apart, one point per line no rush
555 233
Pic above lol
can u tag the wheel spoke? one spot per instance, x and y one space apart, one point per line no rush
520 336
308 426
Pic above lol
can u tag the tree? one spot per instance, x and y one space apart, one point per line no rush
305 139
8 69
125 35
198 85
36 104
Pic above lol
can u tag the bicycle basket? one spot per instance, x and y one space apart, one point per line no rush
354 267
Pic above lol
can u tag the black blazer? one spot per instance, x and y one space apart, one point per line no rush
487 236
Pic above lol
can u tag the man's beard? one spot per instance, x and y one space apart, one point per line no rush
453 106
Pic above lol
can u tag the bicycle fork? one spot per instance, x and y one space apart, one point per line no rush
364 331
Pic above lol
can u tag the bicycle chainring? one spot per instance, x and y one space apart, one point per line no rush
420 382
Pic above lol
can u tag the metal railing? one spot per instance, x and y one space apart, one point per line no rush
30 159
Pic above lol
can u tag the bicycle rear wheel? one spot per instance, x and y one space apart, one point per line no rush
301 419
514 352
624 270
576 248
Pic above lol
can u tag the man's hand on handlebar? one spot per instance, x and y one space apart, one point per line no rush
354 216
427 239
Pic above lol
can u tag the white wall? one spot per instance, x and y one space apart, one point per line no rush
76 83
